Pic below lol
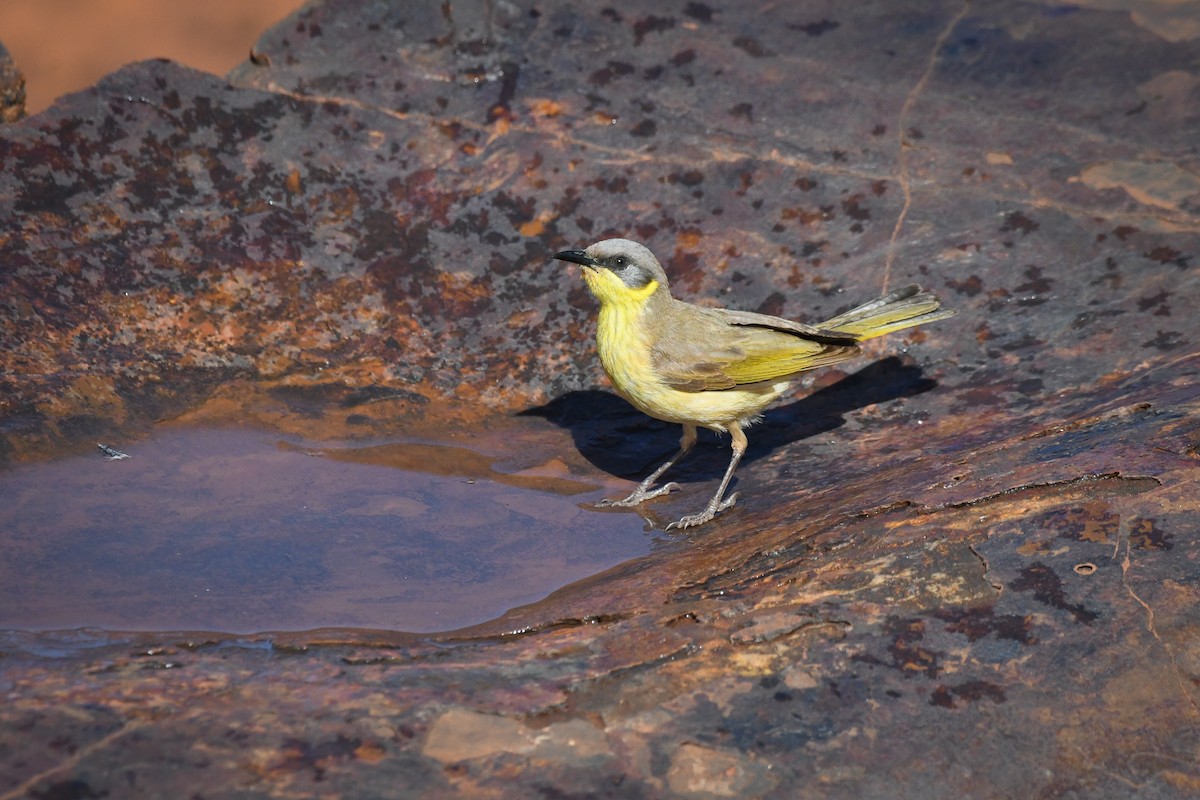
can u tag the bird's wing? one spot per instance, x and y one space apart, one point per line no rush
719 349
751 319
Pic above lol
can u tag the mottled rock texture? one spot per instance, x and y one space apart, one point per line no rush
12 88
969 569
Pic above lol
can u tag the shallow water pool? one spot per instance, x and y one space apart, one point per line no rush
245 531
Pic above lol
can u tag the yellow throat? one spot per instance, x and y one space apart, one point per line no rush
612 291
621 335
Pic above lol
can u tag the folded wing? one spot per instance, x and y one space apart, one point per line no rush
718 349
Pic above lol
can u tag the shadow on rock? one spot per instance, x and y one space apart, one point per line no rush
619 439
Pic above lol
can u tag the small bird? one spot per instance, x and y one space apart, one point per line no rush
713 367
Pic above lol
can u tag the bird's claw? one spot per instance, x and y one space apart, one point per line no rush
638 497
692 520
606 503
666 488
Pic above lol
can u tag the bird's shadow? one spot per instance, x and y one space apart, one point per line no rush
620 440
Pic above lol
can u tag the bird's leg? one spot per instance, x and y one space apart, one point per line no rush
718 504
643 491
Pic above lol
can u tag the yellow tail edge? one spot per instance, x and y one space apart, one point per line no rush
895 311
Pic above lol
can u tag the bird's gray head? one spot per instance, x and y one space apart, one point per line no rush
632 263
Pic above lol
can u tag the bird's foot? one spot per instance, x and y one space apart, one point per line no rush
692 520
639 496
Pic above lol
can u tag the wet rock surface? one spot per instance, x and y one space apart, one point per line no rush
966 566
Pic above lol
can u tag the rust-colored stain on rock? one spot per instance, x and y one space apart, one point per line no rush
965 566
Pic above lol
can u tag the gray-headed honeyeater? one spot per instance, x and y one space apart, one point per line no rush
713 367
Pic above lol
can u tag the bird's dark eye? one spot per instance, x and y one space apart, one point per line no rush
620 262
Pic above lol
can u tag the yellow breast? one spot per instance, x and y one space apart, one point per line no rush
625 351
624 346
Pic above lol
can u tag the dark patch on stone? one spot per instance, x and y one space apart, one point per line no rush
651 24
1045 585
1017 221
818 28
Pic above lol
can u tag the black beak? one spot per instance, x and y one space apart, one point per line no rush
576 257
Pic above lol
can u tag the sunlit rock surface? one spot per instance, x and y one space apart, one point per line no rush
966 569
12 88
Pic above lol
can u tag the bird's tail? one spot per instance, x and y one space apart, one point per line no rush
895 311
